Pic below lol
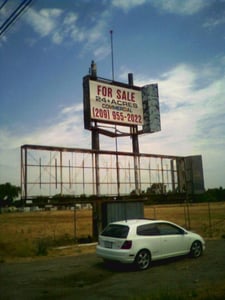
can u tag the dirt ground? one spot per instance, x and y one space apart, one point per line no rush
85 276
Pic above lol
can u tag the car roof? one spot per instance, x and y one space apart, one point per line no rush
131 222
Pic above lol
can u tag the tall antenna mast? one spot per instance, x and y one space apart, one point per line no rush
117 160
111 38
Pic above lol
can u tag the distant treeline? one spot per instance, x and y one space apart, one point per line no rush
211 195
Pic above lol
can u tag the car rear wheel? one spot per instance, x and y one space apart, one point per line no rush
143 259
196 249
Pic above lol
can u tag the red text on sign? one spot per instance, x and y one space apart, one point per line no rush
104 91
125 95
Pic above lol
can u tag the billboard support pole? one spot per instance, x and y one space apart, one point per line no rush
116 141
135 144
96 219
95 146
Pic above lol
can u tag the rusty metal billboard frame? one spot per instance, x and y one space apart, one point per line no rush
50 170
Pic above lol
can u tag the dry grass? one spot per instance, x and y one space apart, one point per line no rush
34 233
39 233
205 219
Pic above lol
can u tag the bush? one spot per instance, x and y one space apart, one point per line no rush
42 247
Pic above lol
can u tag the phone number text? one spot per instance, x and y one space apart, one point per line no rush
111 115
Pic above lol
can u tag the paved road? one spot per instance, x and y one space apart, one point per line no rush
86 277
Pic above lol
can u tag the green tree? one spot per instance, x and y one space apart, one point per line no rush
8 193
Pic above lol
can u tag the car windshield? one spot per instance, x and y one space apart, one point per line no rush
115 230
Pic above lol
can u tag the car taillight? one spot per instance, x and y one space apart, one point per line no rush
127 245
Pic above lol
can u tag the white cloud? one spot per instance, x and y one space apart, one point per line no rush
127 4
180 7
192 116
72 109
60 27
43 22
187 7
176 86
214 22
67 123
54 23
66 130
70 18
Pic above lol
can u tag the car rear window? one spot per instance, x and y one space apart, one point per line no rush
118 231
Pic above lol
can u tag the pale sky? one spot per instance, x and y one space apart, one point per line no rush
179 44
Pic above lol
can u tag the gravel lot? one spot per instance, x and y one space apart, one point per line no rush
86 277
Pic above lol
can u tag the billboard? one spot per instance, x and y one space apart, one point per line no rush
151 111
112 103
190 174
194 174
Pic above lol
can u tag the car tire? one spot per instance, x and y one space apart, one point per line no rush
143 259
196 249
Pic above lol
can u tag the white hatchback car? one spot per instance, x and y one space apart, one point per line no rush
141 241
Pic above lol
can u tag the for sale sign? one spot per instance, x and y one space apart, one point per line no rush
115 104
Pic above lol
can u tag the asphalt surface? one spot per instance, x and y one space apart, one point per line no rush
87 277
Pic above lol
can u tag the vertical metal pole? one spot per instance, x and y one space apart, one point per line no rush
21 171
61 175
129 174
50 174
162 172
23 181
56 173
150 173
187 195
210 220
75 222
188 215
95 146
93 174
96 204
25 175
117 160
69 175
96 219
117 168
40 172
135 144
112 54
172 174
83 176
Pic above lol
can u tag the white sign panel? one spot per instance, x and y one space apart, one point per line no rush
115 104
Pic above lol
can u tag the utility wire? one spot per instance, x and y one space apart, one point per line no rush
3 4
14 16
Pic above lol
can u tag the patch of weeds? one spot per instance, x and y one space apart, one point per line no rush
165 295
207 231
213 297
78 251
63 240
18 249
193 294
85 239
42 246
24 250
81 279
